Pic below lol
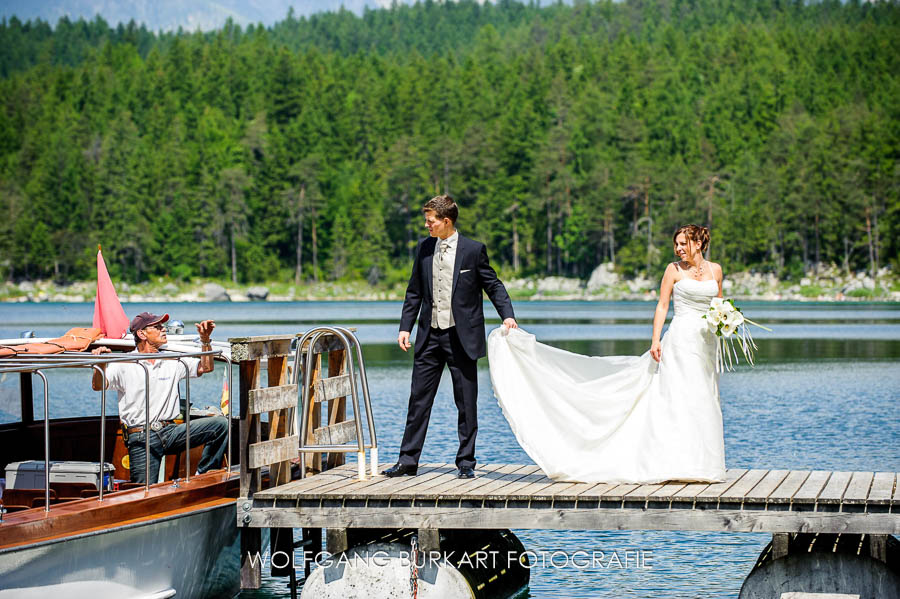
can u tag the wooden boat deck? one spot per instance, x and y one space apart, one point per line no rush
521 496
83 516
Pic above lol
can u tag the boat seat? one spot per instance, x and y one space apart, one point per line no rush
24 498
72 490
39 501
93 492
126 486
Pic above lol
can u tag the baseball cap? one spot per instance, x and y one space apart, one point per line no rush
145 319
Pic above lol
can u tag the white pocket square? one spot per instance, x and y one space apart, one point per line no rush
465 270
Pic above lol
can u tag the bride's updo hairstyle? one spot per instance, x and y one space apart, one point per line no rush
694 233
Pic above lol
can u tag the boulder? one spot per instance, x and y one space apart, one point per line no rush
213 292
640 284
851 287
559 285
26 286
603 276
170 289
258 294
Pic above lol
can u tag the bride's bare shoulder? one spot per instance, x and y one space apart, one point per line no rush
715 268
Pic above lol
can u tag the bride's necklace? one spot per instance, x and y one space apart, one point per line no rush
696 272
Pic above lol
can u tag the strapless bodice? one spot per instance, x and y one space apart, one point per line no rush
692 297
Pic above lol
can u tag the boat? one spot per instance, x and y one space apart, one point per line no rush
175 538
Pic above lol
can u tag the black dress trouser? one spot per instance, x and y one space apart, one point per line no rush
442 348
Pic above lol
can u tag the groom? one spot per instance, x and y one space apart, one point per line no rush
448 276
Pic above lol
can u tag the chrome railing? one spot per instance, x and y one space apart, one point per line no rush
348 340
36 364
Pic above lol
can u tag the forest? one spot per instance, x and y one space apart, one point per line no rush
570 136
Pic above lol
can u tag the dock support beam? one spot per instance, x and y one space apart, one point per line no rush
429 539
335 540
878 547
780 544
251 558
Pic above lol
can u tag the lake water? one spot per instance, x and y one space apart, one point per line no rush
823 395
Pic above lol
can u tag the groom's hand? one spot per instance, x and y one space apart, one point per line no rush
403 340
510 323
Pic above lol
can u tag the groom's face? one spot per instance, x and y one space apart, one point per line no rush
438 227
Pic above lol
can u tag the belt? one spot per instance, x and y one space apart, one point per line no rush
154 426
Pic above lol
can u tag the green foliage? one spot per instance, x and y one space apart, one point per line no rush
569 135
811 290
864 293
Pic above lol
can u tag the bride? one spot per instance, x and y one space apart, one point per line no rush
624 419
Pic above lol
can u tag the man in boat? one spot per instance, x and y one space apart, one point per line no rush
449 274
166 437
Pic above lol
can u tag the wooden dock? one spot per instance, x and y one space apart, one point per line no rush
522 497
789 504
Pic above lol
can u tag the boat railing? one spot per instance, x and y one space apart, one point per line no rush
36 364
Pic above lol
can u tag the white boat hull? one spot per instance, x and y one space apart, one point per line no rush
191 556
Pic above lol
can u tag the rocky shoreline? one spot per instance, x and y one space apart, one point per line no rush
605 284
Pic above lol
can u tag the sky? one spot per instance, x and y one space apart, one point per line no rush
171 14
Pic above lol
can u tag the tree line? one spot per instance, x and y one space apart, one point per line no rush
569 135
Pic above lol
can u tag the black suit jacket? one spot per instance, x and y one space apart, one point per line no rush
472 274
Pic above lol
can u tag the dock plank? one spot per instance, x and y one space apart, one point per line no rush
594 493
765 487
510 473
882 487
667 491
527 492
422 482
452 486
469 486
738 491
712 491
618 492
383 486
834 488
313 489
789 486
858 488
295 487
643 492
553 492
429 488
512 489
572 493
692 490
809 491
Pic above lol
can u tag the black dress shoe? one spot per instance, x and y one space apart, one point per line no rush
401 470
465 472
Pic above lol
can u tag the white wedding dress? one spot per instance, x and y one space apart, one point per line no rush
618 419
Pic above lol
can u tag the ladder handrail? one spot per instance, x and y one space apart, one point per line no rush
344 336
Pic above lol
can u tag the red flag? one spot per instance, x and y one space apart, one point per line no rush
109 316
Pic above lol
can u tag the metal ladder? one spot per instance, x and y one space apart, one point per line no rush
331 388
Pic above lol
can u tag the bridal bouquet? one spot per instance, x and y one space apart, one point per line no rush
729 324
